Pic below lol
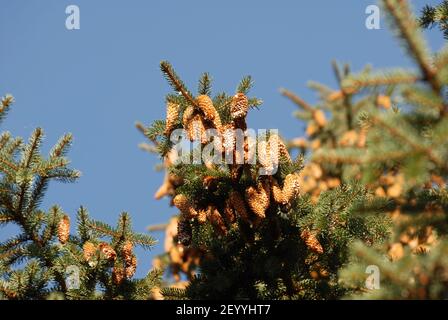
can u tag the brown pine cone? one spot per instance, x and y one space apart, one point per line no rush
239 106
172 116
108 252
311 241
64 229
89 251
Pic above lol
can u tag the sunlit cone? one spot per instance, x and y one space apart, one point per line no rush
239 106
187 116
131 267
89 251
118 274
184 205
108 252
172 117
258 198
291 187
277 192
311 241
205 103
64 229
127 250
228 137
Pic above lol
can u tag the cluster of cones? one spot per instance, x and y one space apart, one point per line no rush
124 266
249 205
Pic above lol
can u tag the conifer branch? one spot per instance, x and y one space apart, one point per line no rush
177 83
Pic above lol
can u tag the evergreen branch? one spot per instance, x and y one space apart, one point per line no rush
353 83
205 84
297 100
176 82
408 29
245 85
405 138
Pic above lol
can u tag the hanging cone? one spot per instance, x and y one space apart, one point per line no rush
108 252
237 202
64 229
239 106
187 116
216 220
89 251
184 205
131 267
209 111
196 129
127 251
118 274
184 231
258 198
172 117
228 138
311 241
277 192
291 187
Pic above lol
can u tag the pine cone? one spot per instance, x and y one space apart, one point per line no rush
277 192
118 274
216 220
239 205
64 229
258 198
108 252
131 267
291 187
196 129
311 241
127 251
239 106
210 113
184 231
184 205
228 138
89 251
172 116
187 116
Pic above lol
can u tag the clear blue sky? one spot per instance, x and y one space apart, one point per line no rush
97 81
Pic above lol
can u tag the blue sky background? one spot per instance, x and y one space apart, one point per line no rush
97 81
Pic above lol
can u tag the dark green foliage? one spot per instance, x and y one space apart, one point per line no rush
435 15
34 264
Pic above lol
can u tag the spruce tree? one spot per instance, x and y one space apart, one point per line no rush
259 238
44 260
388 130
